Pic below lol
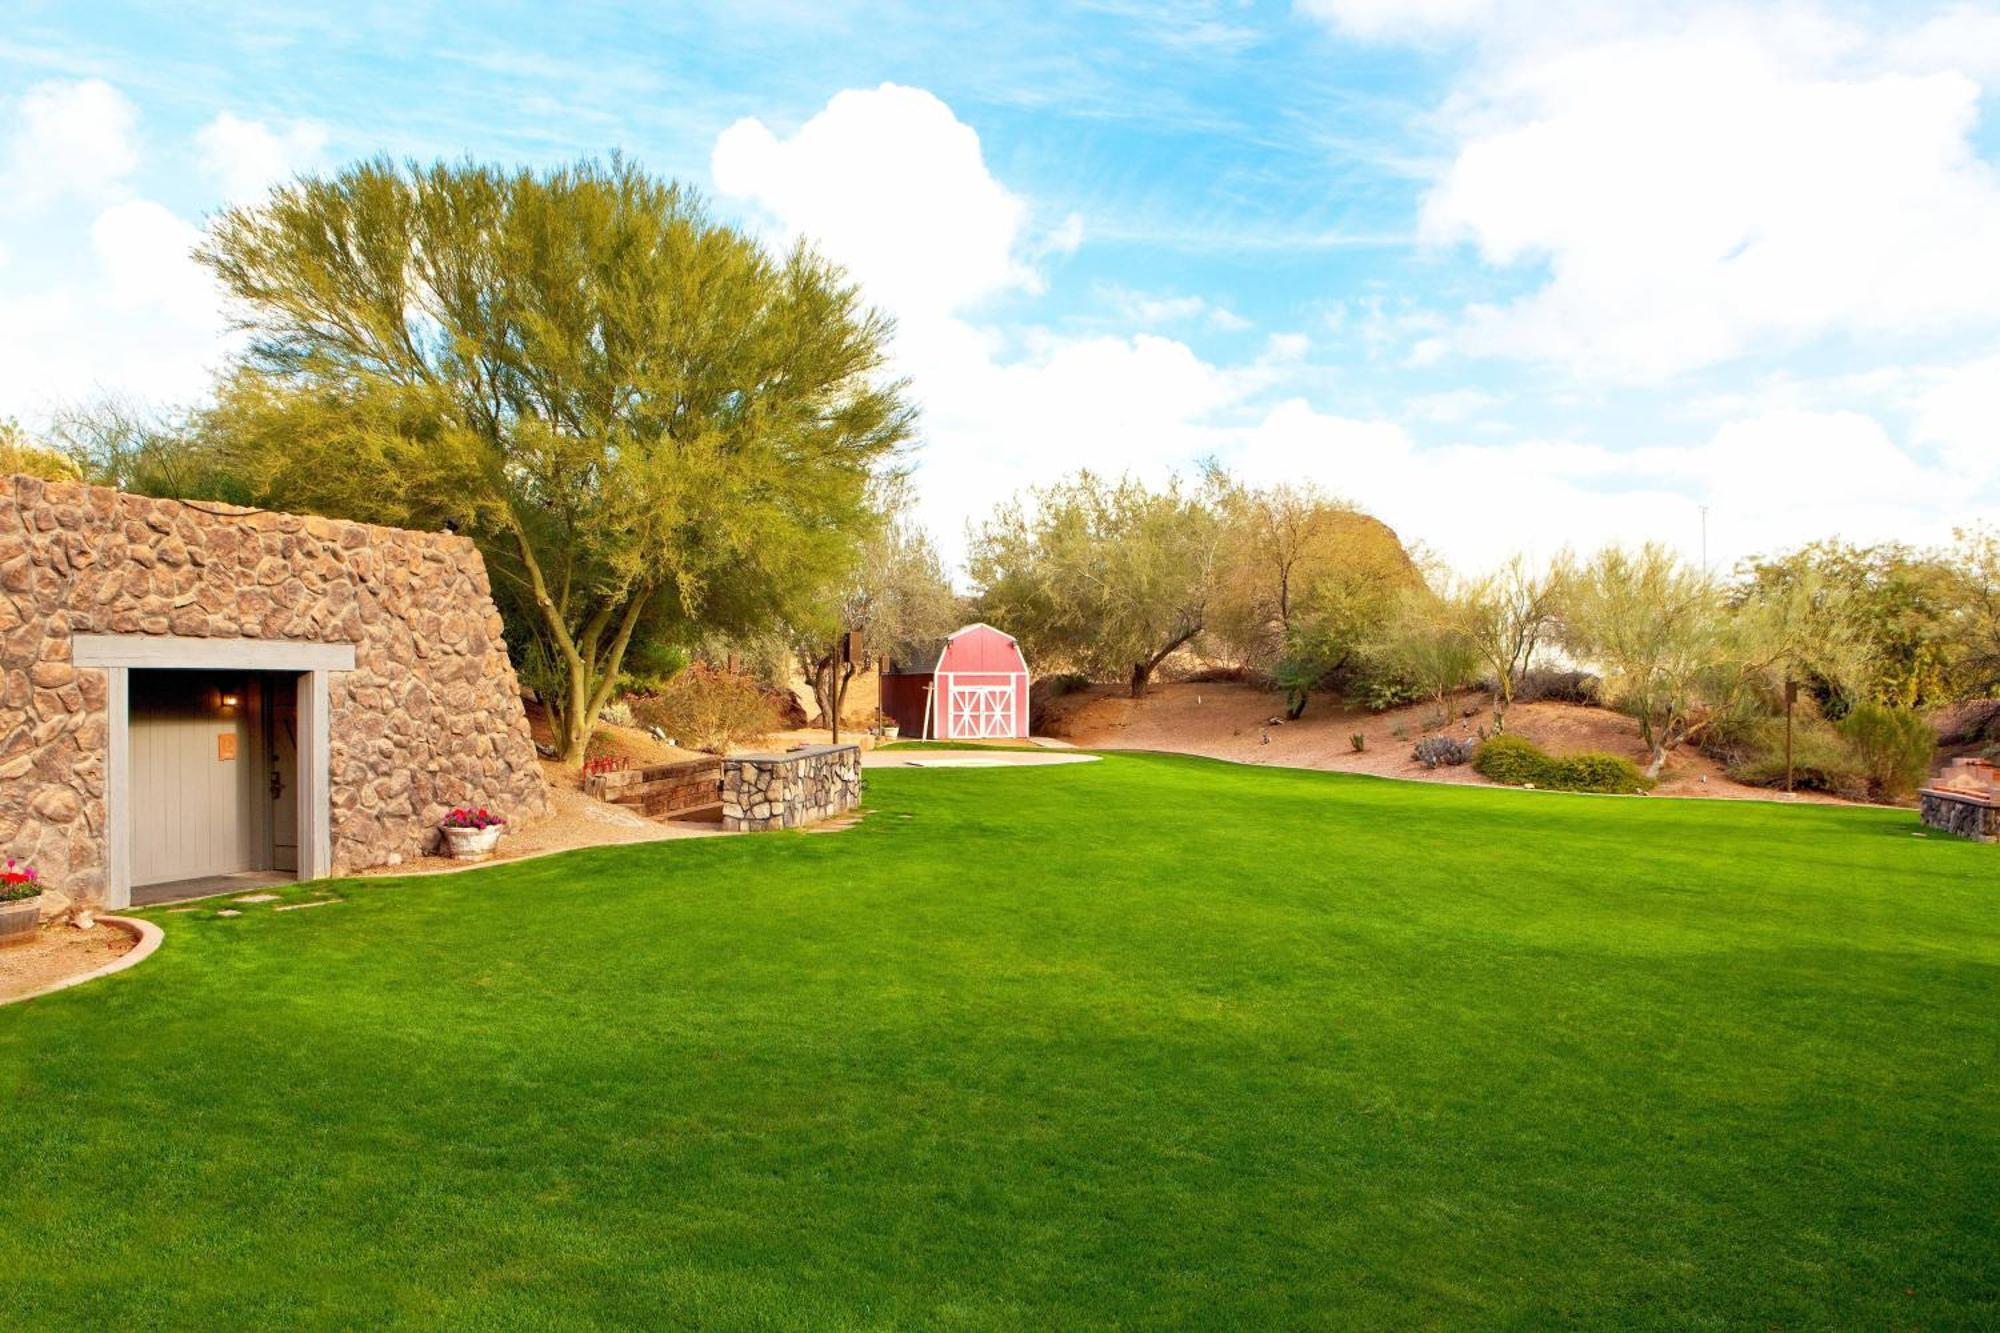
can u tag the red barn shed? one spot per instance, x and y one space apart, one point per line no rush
970 686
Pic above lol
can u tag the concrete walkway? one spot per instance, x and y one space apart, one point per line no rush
972 757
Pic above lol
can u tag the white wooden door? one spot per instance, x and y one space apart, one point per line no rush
982 712
192 776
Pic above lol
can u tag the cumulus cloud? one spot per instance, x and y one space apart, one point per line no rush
69 138
115 300
1699 196
245 158
892 185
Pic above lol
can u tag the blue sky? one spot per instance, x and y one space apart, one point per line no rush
1511 275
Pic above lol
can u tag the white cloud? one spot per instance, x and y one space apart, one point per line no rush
1699 195
247 157
888 182
1400 18
69 138
1154 310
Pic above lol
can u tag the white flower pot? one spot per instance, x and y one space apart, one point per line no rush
472 844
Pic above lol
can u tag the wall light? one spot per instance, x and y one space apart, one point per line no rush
229 701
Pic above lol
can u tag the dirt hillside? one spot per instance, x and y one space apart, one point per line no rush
1242 722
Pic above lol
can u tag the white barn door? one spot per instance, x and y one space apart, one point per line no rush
982 712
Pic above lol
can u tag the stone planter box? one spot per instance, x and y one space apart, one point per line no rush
1964 813
472 844
789 790
20 920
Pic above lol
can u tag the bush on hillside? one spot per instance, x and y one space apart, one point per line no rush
1557 686
1518 762
1514 761
617 713
1822 760
1442 751
1892 746
709 709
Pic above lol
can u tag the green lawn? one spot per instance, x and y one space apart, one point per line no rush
1146 1042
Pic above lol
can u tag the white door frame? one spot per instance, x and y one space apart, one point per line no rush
118 655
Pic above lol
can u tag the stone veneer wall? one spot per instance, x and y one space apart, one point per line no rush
767 791
429 718
1962 813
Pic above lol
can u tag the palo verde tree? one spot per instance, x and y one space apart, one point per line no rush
1303 582
1104 577
644 419
1673 656
895 591
1507 617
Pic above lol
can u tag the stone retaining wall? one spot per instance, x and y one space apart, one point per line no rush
768 791
429 718
1962 813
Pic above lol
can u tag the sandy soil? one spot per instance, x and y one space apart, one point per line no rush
1227 720
575 821
59 951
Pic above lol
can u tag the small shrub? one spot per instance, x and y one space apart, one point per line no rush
1357 742
1594 770
1548 683
1892 746
617 713
1442 751
1518 762
1822 760
1515 761
709 709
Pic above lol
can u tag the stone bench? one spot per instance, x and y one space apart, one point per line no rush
790 789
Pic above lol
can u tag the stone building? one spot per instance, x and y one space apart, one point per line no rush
193 693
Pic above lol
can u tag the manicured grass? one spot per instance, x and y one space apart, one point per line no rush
1145 1042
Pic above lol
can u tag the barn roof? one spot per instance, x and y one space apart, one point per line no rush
920 657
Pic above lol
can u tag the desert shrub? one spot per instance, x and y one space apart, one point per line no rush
1379 689
1515 761
1045 690
1357 742
1217 674
709 709
1822 760
1442 751
1557 686
617 713
1892 746
1518 762
1594 770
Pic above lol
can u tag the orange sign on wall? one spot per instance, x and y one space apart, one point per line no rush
225 746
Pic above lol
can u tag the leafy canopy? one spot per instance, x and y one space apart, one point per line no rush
648 423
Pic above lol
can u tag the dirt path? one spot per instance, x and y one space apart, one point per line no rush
1226 720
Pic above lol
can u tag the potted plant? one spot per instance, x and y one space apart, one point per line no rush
887 727
20 903
472 834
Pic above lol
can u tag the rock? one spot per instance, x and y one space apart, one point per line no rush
84 920
55 904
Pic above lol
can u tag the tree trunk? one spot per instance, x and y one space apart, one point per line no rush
1142 672
1658 761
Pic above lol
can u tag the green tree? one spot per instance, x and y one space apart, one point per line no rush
1303 582
22 455
646 422
1425 643
1661 633
896 592
1507 617
1097 576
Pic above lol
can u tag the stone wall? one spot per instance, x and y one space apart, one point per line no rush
429 718
1962 813
767 791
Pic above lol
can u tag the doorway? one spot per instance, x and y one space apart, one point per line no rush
213 792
